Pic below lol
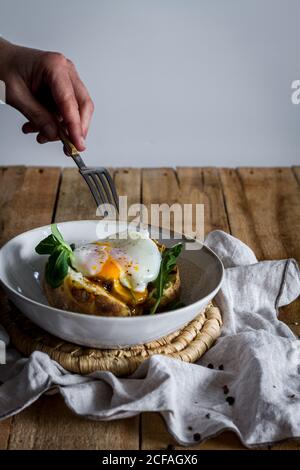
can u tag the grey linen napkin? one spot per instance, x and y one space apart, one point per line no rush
259 358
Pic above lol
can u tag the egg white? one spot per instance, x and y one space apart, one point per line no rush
136 255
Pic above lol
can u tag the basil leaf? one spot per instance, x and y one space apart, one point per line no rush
56 233
57 267
168 263
47 246
171 256
61 256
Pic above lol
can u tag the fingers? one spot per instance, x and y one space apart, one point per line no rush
72 105
22 99
30 128
64 96
86 106
41 139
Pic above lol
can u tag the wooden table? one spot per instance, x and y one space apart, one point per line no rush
260 206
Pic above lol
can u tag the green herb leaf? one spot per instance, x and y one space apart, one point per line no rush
61 256
170 256
47 246
168 263
57 267
56 233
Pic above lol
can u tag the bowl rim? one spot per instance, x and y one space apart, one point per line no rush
106 317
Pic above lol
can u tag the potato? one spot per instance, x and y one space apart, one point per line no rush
80 294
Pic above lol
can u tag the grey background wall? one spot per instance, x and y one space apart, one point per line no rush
175 82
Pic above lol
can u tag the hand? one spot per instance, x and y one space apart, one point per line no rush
46 88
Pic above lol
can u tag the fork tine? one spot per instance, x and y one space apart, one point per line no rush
98 187
91 186
112 187
101 186
105 187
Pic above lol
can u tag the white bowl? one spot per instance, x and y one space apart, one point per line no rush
21 271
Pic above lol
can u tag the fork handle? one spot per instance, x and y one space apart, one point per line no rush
72 150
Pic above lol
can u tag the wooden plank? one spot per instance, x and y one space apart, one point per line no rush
75 201
189 185
11 180
186 186
202 186
27 199
51 423
5 427
263 206
296 171
129 183
26 194
290 444
263 210
159 185
240 218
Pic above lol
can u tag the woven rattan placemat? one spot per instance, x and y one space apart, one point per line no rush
187 344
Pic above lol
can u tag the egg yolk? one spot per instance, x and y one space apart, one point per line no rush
129 296
140 296
111 272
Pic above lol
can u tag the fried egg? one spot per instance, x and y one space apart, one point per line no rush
132 261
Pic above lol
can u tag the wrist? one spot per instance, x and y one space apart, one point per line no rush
7 53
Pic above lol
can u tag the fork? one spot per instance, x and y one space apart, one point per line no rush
98 179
